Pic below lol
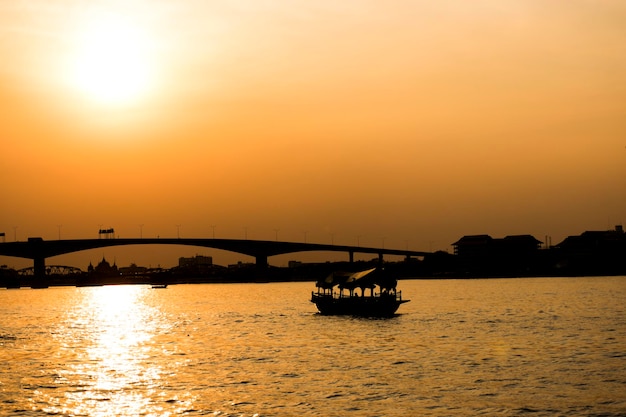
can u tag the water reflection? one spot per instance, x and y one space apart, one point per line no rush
112 327
506 347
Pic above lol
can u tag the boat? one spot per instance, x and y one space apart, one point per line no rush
382 299
159 286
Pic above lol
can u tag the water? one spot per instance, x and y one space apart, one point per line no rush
512 347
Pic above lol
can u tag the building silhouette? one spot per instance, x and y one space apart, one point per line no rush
104 268
483 255
593 253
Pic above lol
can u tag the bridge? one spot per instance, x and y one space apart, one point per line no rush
38 249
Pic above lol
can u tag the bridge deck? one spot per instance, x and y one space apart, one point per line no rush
39 249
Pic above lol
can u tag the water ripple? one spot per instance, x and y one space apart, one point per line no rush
538 347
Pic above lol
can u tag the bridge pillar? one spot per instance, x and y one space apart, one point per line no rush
39 267
351 256
261 261
380 258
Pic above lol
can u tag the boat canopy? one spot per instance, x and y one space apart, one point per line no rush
332 280
363 279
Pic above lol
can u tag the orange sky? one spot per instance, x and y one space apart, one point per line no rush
413 121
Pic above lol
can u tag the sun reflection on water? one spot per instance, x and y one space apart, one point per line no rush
116 375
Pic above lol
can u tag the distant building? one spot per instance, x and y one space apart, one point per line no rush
132 270
595 241
294 264
593 253
196 261
473 245
485 245
196 265
521 244
482 255
104 268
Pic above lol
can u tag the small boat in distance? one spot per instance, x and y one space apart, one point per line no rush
159 286
383 303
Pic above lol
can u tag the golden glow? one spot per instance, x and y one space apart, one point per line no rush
111 64
116 355
422 122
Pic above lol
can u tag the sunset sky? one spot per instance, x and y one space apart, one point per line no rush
408 123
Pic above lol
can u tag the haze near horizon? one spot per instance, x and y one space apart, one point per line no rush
406 124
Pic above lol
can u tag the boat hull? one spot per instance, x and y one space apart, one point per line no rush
380 306
157 286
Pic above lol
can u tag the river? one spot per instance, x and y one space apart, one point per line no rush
510 347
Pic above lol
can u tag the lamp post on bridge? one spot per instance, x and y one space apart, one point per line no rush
141 231
59 227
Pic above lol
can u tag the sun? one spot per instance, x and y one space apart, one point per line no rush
111 62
